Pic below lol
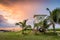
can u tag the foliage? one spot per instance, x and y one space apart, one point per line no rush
23 25
56 15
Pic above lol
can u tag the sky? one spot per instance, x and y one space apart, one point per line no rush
12 11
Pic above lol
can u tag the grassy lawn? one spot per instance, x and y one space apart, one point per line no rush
30 36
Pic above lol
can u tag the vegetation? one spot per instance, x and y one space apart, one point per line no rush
53 18
30 36
56 17
40 27
23 25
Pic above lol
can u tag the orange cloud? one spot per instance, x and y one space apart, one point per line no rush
16 12
19 11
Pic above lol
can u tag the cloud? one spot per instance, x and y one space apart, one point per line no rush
3 22
2 19
19 9
10 2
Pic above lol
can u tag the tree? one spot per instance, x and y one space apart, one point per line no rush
44 26
38 26
23 25
54 17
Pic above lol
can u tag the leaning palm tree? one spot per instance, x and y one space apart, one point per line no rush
37 27
44 26
51 19
23 25
54 17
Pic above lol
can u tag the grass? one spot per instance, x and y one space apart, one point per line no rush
30 36
56 29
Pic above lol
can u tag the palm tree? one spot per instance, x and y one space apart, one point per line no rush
37 27
56 15
51 19
44 26
23 25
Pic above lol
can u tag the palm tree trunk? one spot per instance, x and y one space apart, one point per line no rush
54 28
22 31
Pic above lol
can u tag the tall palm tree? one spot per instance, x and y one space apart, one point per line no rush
54 17
23 25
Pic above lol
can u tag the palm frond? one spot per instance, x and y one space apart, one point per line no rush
17 24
